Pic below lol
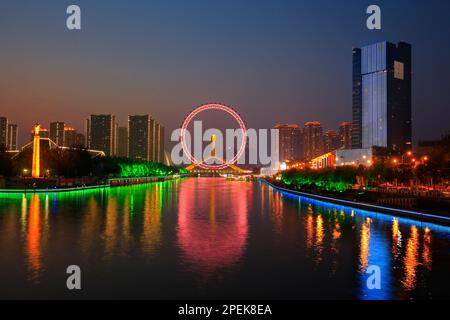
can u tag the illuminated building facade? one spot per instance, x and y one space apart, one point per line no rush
290 142
101 133
327 160
349 157
382 96
57 132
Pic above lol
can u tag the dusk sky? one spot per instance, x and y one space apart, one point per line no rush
274 61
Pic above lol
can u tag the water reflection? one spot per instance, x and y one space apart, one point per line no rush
151 235
211 229
426 253
33 247
411 259
364 246
212 223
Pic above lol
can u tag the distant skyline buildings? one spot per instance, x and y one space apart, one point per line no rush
101 133
13 137
145 139
345 135
122 142
331 140
158 154
303 144
313 144
9 133
3 132
57 132
140 132
290 142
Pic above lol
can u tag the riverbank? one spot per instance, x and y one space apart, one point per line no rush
417 215
52 190
109 183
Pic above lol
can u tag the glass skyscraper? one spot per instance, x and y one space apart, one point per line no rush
382 96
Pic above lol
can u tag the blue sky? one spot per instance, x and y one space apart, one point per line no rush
274 61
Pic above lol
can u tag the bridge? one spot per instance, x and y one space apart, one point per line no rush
203 168
50 144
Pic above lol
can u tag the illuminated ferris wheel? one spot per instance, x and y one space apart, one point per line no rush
202 163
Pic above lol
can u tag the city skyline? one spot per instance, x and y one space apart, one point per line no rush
259 153
164 74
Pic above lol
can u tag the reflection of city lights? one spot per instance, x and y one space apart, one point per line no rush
411 260
211 239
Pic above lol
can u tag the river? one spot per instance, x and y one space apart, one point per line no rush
210 238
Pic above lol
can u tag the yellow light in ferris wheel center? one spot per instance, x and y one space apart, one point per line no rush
213 150
36 162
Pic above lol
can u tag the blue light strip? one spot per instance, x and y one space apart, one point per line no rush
357 205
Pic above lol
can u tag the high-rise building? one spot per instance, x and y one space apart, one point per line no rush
345 135
122 142
159 142
145 139
101 133
3 132
331 141
70 137
13 137
152 148
159 152
356 100
80 140
139 137
290 142
57 132
313 145
382 96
